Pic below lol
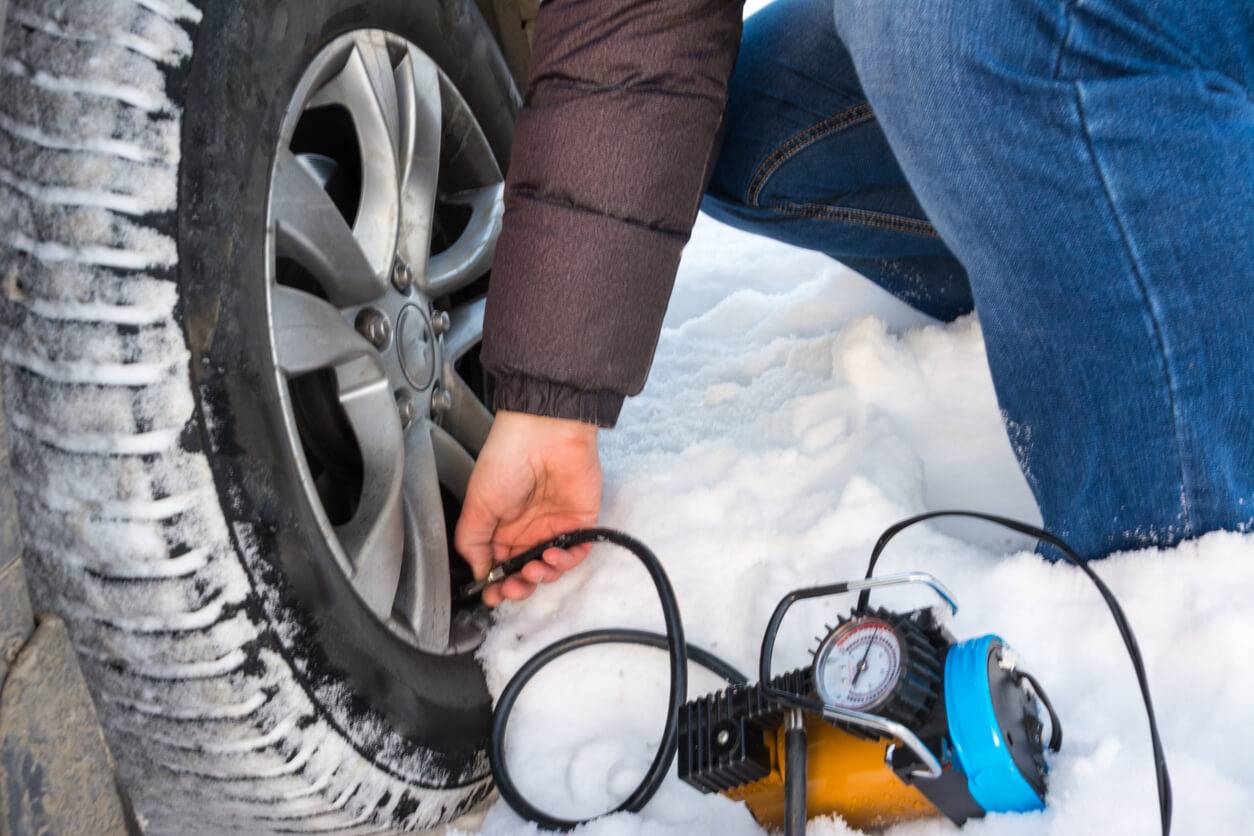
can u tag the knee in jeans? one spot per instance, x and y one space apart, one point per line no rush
893 32
927 50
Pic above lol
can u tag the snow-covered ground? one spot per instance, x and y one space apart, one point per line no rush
794 411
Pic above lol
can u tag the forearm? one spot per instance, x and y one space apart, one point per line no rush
608 168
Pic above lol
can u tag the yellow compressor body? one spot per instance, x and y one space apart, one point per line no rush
846 776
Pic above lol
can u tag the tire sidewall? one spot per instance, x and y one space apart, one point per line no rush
248 59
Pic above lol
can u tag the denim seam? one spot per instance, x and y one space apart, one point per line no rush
864 217
803 139
1151 315
1068 15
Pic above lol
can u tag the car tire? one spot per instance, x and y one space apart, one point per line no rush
242 684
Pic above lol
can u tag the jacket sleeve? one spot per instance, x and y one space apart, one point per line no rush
610 158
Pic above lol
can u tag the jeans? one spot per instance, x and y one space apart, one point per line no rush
1081 173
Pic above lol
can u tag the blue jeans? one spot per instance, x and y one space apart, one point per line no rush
1081 172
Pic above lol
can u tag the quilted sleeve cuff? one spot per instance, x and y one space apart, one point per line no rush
537 396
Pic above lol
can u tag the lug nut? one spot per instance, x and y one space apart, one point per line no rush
440 322
374 325
402 276
441 400
407 407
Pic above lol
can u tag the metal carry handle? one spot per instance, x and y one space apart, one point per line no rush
902 578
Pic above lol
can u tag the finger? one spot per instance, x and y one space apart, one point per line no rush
516 589
512 588
473 536
492 595
540 572
560 559
580 552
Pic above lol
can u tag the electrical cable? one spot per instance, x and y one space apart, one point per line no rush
1116 612
1055 725
768 645
673 641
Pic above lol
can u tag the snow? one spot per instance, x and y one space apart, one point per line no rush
752 6
793 412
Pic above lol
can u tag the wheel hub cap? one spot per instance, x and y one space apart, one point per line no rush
416 347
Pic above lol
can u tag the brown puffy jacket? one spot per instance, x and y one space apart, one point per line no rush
609 162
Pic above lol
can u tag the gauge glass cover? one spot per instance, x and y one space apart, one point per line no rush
857 666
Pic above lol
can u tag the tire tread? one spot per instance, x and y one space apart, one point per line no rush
209 721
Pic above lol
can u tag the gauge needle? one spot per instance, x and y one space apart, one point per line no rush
857 672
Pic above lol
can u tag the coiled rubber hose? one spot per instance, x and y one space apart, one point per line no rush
673 642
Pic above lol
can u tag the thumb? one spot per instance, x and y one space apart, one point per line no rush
473 536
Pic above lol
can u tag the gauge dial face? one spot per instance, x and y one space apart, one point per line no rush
858 664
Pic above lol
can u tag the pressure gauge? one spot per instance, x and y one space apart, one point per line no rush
858 664
880 663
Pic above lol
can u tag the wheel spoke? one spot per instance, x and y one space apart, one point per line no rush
418 97
452 462
376 60
466 419
465 328
310 334
367 91
374 537
310 230
424 598
471 254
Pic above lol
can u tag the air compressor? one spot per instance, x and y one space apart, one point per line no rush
894 719
898 721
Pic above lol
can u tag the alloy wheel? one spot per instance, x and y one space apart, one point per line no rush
385 205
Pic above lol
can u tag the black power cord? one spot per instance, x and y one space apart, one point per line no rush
1055 725
680 653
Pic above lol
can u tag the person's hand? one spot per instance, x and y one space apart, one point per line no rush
536 478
